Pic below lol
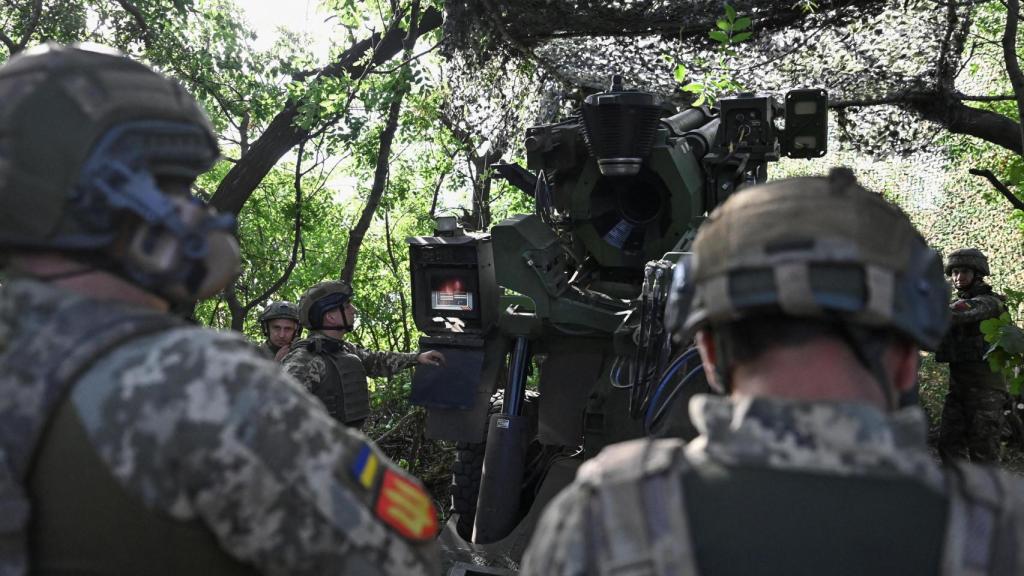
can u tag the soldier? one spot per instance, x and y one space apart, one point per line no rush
973 411
334 370
130 441
811 298
280 326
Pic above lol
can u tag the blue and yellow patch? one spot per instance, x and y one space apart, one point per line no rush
365 467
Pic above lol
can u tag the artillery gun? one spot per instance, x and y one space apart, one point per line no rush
576 291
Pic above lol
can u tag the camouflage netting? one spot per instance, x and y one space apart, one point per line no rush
515 63
858 49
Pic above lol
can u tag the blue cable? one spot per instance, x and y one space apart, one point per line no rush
649 418
669 373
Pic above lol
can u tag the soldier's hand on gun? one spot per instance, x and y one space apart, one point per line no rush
431 357
960 306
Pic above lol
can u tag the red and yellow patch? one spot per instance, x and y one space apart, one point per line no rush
403 505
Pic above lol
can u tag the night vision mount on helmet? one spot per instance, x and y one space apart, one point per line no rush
98 155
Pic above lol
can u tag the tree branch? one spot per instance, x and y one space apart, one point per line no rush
282 134
1002 188
1012 64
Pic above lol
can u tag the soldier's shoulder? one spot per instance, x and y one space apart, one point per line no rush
634 460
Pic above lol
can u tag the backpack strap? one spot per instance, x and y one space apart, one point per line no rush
637 514
977 505
39 371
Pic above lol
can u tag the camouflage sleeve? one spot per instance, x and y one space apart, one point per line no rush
559 546
304 366
384 364
195 425
978 308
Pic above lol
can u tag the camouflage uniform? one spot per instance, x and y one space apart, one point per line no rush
195 426
335 371
774 484
973 410
131 442
640 507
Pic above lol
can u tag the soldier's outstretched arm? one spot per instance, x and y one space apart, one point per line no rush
975 309
383 364
560 545
197 426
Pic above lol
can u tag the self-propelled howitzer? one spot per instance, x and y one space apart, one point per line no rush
568 290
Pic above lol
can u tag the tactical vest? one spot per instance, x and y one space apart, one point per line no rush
59 504
343 389
654 513
965 342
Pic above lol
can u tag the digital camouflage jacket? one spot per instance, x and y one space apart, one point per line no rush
200 430
335 372
634 508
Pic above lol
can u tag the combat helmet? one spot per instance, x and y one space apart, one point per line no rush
968 258
281 309
320 298
818 247
91 143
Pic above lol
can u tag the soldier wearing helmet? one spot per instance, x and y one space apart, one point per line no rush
973 411
130 441
334 370
810 300
280 325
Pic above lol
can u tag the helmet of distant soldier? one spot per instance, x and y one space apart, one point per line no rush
280 310
968 258
321 298
820 248
97 156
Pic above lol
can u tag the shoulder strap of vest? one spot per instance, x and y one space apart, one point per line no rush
42 367
978 500
638 522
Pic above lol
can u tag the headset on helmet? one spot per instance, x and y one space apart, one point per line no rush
280 310
93 142
322 298
817 248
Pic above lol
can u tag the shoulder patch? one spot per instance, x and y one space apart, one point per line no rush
404 506
364 468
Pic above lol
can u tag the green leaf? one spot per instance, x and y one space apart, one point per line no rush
730 12
723 25
741 23
719 36
1016 383
1011 339
736 39
990 327
996 359
680 73
693 88
700 101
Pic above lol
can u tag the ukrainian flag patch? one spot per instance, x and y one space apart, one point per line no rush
406 507
364 469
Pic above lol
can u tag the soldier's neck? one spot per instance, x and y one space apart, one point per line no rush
336 334
821 370
84 279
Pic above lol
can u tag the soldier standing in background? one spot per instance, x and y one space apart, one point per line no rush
973 411
130 441
812 296
334 370
280 326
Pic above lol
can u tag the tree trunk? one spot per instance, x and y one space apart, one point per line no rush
380 178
